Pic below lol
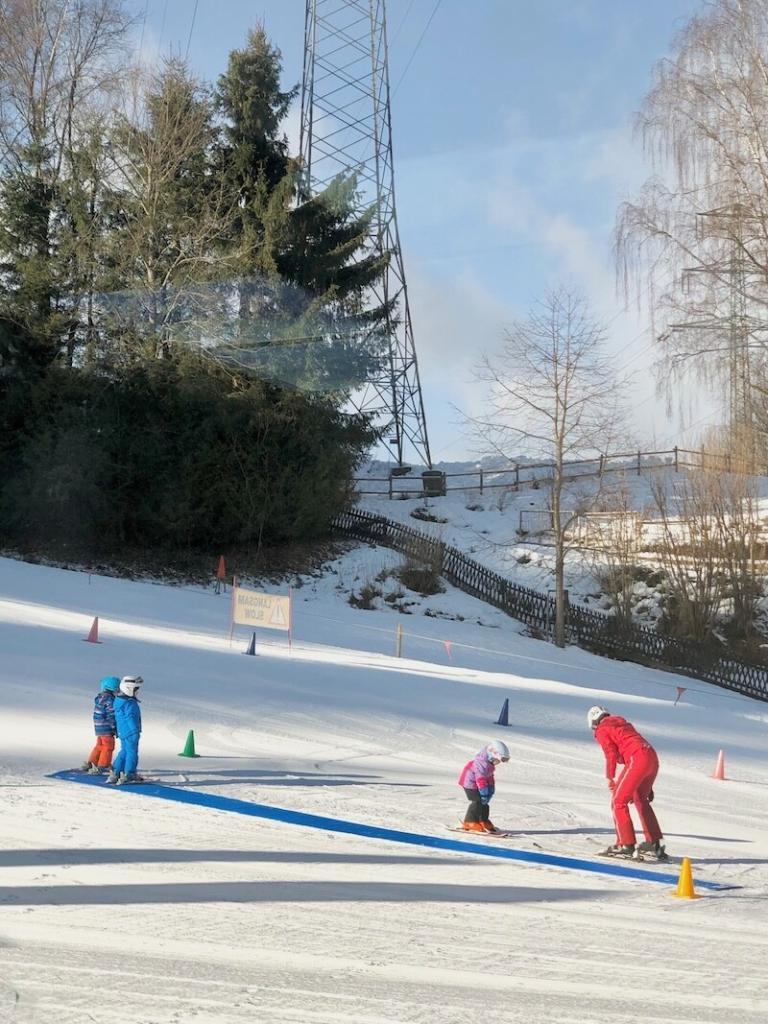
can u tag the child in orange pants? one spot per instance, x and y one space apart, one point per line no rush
100 758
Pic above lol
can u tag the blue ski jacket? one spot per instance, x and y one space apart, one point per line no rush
127 715
104 713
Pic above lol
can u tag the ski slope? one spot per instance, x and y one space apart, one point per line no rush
121 908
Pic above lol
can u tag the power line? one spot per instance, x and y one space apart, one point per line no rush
162 23
143 26
191 29
402 22
416 48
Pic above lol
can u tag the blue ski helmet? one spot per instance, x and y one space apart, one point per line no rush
110 683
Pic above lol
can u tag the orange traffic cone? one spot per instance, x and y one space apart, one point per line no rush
93 634
685 890
719 772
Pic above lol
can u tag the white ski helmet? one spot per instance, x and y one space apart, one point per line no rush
595 715
130 684
497 751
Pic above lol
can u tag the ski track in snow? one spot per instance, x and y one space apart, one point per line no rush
123 909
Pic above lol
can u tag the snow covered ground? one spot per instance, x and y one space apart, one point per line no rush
117 907
485 524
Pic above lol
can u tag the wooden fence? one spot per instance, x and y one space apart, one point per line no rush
399 484
594 631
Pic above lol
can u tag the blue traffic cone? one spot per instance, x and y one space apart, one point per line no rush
251 646
503 718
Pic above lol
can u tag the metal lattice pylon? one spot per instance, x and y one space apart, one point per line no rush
346 129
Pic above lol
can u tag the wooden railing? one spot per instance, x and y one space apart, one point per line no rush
594 631
516 475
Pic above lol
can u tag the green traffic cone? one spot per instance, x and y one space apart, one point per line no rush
189 746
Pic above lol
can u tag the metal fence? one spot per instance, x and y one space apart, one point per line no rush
594 631
399 484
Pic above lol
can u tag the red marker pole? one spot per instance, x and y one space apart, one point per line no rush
232 610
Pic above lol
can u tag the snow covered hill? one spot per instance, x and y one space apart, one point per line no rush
507 529
119 908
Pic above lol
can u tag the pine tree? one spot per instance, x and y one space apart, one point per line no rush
305 273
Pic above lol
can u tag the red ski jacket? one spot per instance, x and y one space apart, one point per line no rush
619 740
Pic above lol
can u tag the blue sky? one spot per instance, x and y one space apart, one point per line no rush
513 147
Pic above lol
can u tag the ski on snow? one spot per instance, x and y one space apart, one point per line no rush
499 834
642 858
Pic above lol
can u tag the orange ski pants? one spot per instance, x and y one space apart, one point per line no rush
101 754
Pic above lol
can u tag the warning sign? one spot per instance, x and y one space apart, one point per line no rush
263 611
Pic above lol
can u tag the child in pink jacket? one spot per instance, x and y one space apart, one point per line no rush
478 780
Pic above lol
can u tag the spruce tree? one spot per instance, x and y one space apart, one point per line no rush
305 266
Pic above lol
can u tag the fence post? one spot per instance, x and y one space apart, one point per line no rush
600 468
399 642
481 479
519 520
390 487
639 454
517 478
703 454
677 466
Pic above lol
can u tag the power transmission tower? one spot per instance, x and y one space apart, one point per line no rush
346 129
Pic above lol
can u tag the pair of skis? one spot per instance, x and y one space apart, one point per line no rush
500 833
140 781
655 858
610 853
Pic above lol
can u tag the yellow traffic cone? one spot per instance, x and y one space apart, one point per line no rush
685 890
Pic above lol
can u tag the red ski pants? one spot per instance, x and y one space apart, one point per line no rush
634 784
101 754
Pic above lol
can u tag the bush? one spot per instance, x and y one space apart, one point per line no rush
170 454
421 579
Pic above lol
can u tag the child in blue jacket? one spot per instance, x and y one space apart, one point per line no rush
100 758
128 722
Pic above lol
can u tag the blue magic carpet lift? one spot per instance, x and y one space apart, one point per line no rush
222 803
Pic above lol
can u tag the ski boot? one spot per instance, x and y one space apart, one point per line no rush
95 770
488 826
472 826
129 780
654 850
112 778
621 851
86 766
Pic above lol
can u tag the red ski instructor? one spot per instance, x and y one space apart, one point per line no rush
623 745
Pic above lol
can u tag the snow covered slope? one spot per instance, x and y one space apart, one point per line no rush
124 909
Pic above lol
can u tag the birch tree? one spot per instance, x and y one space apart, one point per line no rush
693 245
552 392
60 61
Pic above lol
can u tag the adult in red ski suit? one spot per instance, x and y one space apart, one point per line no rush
623 745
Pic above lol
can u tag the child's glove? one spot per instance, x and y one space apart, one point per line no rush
485 795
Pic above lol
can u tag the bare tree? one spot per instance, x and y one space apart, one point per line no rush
552 392
172 214
613 534
59 58
693 244
707 525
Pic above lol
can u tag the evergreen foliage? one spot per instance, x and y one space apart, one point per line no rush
152 250
173 453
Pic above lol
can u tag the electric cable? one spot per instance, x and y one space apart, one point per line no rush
416 48
191 30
